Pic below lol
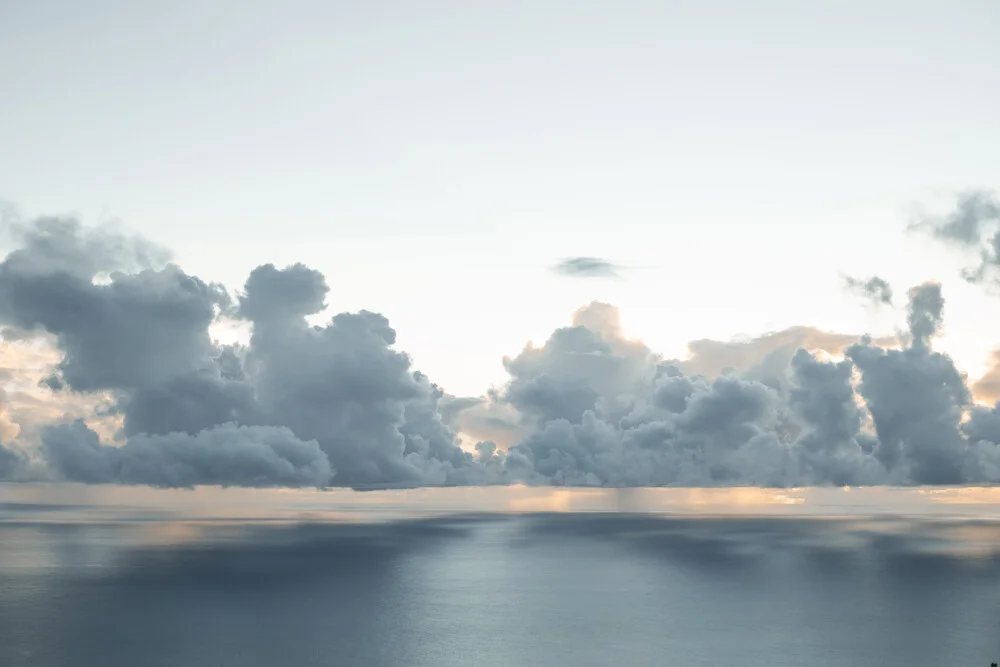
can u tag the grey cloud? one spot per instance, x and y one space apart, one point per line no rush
53 382
916 399
983 424
144 337
831 444
10 461
578 366
137 329
973 223
139 335
344 386
925 314
587 267
336 403
273 295
898 423
227 455
966 223
53 244
633 419
188 402
76 452
989 259
875 289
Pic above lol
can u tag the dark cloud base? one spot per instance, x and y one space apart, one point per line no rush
338 405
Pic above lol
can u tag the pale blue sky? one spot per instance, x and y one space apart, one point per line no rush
435 158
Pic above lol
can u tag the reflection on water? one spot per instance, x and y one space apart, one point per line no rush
113 586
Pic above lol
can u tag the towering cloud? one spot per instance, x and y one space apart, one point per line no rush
597 409
916 398
315 405
337 404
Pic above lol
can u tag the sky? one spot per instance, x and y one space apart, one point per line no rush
435 161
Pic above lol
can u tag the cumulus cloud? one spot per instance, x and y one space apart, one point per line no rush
587 267
142 338
973 223
916 398
881 415
226 455
875 289
144 395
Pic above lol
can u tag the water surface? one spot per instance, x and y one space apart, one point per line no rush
546 589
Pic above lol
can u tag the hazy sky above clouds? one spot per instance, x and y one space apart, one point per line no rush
435 159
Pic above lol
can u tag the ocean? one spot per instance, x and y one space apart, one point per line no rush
550 589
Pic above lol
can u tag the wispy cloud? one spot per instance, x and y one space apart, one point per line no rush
587 267
972 223
876 289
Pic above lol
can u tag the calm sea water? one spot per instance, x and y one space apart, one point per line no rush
549 590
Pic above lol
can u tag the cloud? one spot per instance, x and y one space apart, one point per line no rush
587 267
62 245
134 390
973 223
10 461
965 224
916 398
226 455
875 289
142 338
879 416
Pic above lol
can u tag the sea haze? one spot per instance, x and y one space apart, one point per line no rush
139 587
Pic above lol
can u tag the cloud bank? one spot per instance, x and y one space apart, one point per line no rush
337 405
